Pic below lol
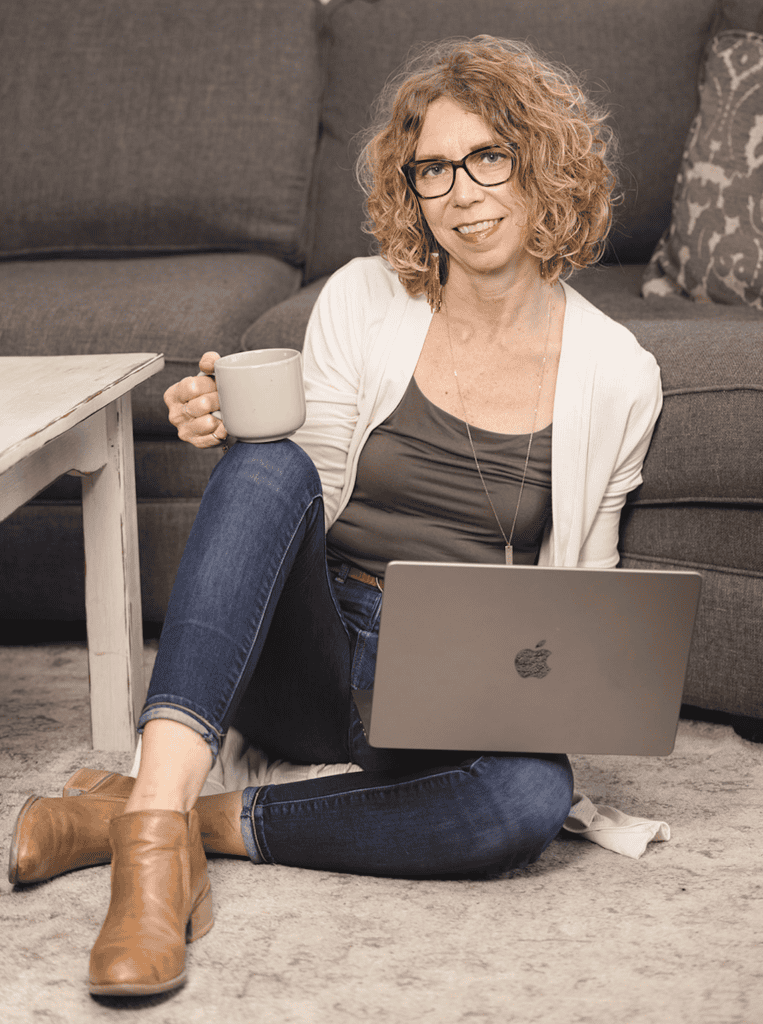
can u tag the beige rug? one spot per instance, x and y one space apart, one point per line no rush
582 937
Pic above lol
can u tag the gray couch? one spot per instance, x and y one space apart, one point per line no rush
175 176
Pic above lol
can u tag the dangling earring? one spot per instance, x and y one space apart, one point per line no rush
434 285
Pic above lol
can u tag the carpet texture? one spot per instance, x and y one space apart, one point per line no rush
582 937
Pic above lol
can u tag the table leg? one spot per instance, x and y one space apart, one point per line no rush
112 587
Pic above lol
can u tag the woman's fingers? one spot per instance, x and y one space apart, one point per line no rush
203 431
202 405
191 403
207 362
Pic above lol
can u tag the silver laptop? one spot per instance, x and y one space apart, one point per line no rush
531 659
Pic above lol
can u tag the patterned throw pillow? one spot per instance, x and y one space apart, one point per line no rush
713 250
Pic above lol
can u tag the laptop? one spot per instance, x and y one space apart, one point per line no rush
530 659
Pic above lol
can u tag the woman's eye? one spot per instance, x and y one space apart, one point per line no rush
494 156
431 170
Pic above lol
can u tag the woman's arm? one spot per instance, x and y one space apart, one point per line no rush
600 547
333 356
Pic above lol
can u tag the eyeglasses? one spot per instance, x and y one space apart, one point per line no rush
431 179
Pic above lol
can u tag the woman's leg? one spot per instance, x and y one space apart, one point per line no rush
174 764
260 524
261 519
410 813
257 545
485 815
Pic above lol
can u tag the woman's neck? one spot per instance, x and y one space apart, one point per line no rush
492 307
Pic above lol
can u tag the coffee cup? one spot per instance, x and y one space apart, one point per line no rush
262 393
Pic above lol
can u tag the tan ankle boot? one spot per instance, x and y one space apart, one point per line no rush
53 835
161 899
220 822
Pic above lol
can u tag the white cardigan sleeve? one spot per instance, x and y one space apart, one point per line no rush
608 398
332 371
338 358
640 393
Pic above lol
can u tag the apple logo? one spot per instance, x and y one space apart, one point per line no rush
532 662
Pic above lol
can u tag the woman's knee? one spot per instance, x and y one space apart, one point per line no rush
518 806
277 468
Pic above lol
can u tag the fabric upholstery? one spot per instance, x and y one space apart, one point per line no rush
708 448
43 553
631 56
708 443
721 536
616 290
179 305
746 15
157 125
713 249
284 325
726 658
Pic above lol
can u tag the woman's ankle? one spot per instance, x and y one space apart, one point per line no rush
157 802
174 764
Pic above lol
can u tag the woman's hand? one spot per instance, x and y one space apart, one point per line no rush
191 403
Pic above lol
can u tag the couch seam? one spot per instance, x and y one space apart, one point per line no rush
711 388
723 502
728 570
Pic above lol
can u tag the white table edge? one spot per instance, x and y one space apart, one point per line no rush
153 362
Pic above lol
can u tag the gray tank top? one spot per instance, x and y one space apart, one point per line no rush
418 496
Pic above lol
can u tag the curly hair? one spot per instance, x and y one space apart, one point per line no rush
565 154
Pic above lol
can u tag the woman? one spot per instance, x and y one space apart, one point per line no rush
441 377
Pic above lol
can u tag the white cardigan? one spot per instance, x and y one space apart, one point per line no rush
363 341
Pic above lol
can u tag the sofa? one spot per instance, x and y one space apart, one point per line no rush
176 176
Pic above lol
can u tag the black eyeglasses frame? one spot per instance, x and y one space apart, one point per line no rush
408 170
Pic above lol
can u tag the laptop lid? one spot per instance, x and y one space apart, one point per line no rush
531 659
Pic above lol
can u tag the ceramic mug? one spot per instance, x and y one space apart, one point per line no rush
262 393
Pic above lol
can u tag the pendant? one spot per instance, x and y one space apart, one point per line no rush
509 554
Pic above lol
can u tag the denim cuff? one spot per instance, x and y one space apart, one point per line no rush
248 811
177 713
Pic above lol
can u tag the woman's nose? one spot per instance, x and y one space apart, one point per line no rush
465 190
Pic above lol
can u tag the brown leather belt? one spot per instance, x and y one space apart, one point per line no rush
365 577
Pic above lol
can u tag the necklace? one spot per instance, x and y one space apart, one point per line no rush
508 549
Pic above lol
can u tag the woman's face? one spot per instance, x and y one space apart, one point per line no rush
482 228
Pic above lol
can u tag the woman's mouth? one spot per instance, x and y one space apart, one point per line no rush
479 230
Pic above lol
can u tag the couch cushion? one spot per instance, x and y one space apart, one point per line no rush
723 537
284 325
708 443
43 554
179 305
641 58
746 15
157 124
616 290
726 657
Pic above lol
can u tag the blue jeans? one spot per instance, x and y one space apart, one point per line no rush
261 635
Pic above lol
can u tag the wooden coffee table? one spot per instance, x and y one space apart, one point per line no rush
73 414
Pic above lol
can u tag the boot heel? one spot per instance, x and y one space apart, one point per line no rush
201 919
